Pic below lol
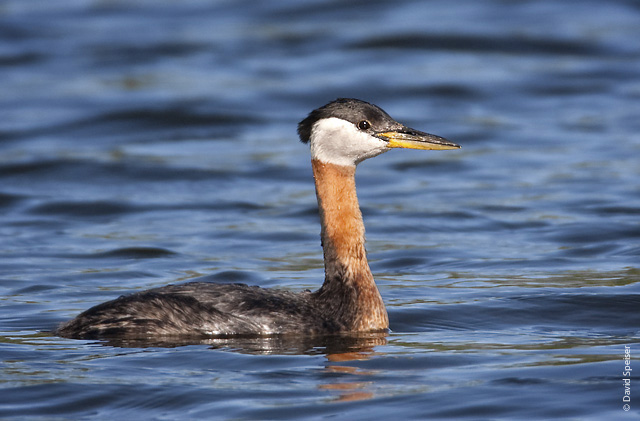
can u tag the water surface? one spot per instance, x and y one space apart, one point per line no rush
146 143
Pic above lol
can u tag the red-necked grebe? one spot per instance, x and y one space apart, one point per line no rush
341 134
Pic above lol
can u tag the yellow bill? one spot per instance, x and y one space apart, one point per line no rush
414 139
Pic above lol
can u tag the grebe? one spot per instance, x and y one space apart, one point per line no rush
341 134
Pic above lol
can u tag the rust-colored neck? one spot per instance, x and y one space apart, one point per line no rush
349 290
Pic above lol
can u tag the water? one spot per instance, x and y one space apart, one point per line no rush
153 142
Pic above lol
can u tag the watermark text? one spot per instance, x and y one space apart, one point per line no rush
626 379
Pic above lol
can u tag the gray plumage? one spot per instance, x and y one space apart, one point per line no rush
202 309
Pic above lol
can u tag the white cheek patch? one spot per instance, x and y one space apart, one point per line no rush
336 141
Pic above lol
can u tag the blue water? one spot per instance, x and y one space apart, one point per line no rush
144 143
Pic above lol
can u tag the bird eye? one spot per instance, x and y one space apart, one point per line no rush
364 125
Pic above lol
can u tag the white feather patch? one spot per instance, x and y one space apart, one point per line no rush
337 141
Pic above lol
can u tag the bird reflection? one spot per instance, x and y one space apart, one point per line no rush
337 348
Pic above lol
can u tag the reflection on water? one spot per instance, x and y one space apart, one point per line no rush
343 347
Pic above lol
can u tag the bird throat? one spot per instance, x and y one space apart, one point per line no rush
349 285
